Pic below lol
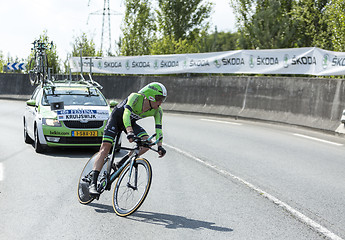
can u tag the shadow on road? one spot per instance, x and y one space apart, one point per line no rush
175 221
101 208
166 220
70 152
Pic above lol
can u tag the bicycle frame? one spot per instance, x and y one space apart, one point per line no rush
133 155
133 176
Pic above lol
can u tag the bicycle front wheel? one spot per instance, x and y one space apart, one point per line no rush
132 187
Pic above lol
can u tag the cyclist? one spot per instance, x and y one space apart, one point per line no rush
136 106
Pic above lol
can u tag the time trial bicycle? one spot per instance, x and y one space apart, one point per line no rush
133 174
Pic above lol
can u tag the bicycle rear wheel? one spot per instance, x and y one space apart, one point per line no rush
85 180
32 72
132 187
44 75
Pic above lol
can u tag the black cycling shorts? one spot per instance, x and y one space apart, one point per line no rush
115 125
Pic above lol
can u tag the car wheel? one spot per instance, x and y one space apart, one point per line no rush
27 139
38 146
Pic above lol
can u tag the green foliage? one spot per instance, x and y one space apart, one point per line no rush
181 26
168 45
291 23
82 45
334 17
265 24
86 46
183 19
138 29
2 62
312 27
220 41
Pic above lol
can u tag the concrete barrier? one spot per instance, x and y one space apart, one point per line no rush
309 102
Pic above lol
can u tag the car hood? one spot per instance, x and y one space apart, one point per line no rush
46 111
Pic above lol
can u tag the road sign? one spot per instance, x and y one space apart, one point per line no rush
16 66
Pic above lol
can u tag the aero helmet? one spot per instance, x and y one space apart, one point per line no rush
154 91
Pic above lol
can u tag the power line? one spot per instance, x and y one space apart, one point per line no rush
106 27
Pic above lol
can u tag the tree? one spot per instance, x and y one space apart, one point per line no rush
289 23
2 62
221 41
265 23
168 45
138 28
334 16
86 45
82 45
183 19
312 23
182 24
181 27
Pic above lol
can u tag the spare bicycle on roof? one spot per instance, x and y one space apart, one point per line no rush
38 65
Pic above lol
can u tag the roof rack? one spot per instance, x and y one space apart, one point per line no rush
88 82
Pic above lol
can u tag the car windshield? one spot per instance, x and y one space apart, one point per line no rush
73 96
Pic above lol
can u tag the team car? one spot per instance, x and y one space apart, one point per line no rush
66 114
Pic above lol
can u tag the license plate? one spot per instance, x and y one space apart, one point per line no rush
84 133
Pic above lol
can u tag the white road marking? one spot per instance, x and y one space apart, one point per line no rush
311 223
218 121
317 139
1 172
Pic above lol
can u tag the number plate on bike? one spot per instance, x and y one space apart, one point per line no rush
84 133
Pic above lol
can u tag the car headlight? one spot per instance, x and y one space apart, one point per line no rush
51 122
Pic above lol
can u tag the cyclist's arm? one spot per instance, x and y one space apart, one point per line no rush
158 122
132 100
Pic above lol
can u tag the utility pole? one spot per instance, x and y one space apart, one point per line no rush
106 29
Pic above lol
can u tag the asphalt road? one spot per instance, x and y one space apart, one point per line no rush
221 179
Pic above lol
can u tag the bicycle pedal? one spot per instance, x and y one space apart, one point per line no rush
95 196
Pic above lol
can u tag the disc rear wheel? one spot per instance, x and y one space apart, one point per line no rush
84 196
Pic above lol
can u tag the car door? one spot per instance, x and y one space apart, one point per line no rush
31 112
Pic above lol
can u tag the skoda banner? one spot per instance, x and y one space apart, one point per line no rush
310 61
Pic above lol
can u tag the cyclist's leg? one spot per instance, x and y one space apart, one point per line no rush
110 131
140 132
101 155
98 164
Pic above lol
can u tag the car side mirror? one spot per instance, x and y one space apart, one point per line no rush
113 104
31 102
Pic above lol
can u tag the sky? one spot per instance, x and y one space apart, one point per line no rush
23 21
